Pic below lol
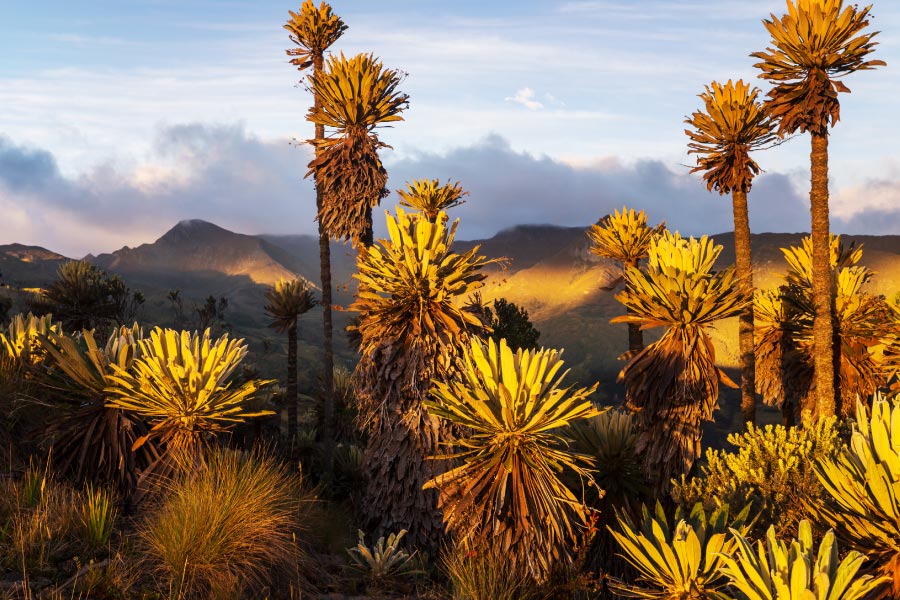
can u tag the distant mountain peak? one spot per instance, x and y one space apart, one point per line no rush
193 229
194 223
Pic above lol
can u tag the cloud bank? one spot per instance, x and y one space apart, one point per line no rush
223 174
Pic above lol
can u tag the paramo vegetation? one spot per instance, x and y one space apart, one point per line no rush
459 459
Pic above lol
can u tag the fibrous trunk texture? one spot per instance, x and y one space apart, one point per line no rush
823 296
327 424
635 334
744 268
672 386
402 439
292 383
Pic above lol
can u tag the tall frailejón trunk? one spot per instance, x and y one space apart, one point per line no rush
744 268
823 296
292 383
327 423
635 334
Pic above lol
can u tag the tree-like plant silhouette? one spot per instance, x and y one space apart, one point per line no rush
815 44
313 31
514 410
673 383
85 297
412 330
285 302
511 323
355 96
785 344
430 197
624 237
732 125
211 314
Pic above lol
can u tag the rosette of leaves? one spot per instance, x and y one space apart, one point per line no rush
610 439
412 327
411 282
180 383
355 96
514 411
796 571
20 343
681 558
313 30
94 441
624 237
861 500
674 382
734 124
814 45
430 196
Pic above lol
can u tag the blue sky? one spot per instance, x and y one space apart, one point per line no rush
121 118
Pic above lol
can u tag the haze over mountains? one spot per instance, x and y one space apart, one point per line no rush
568 292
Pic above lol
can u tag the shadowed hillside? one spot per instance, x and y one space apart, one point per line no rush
568 292
196 245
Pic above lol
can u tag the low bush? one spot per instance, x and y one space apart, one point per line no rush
771 469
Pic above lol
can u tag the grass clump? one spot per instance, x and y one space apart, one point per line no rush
484 574
98 516
38 521
226 529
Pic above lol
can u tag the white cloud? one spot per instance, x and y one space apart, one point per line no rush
223 174
525 97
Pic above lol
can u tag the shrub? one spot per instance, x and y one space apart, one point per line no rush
861 502
771 469
224 528
779 570
684 561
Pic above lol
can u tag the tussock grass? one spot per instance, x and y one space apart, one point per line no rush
485 573
225 529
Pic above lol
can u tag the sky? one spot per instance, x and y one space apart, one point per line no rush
118 119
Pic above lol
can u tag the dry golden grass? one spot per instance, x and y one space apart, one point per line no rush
226 529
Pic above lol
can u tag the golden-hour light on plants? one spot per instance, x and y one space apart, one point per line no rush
330 300
814 46
722 136
673 384
413 328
